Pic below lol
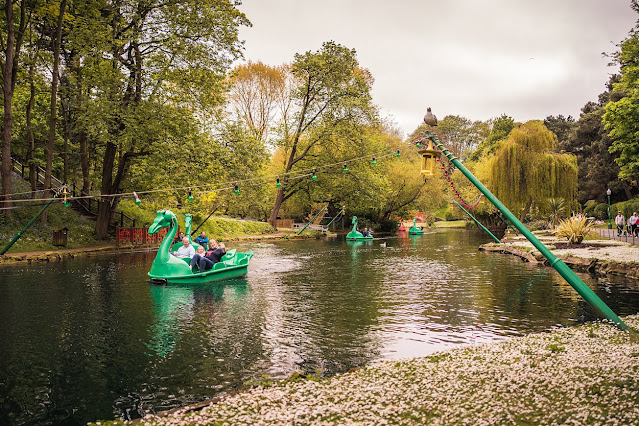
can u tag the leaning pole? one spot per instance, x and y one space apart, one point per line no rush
563 269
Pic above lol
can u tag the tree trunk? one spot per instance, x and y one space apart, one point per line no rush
7 122
30 160
54 112
84 161
526 209
104 203
276 208
626 189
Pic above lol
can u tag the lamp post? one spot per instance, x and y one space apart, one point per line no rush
608 192
563 269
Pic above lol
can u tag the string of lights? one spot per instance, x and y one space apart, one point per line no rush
463 202
221 186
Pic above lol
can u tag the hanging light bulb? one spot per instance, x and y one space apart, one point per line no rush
374 162
397 155
314 177
278 184
190 195
237 189
137 199
345 169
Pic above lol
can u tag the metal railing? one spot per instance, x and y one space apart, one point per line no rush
85 201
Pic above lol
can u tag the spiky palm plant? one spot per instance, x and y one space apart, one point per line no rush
574 229
556 209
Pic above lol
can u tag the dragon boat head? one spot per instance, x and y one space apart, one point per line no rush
162 220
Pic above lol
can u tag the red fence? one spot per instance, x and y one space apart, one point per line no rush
139 236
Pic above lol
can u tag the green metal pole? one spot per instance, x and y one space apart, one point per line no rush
336 216
477 222
563 269
609 222
19 234
311 221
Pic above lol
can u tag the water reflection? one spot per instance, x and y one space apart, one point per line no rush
91 339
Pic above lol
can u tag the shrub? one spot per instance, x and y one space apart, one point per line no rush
574 229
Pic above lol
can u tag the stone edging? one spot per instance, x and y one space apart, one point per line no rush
594 266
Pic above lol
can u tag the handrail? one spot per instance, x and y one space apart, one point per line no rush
56 184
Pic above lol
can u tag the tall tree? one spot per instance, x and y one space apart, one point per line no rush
11 46
162 55
256 90
56 40
621 118
527 168
501 128
331 91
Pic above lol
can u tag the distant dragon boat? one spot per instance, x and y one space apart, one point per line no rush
355 235
168 269
414 230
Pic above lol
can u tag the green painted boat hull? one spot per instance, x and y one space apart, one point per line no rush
355 235
362 238
167 269
414 230
234 267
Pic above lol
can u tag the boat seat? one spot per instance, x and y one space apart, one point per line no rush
219 265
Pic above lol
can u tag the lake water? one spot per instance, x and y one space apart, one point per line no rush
90 338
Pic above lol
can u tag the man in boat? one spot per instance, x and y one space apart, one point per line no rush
202 239
210 258
178 238
186 251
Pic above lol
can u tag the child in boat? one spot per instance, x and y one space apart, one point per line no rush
206 260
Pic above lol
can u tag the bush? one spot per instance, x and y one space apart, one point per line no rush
600 211
574 229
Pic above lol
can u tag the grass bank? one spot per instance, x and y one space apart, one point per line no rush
581 375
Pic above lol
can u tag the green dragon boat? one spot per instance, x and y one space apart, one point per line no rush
355 235
168 269
188 220
414 230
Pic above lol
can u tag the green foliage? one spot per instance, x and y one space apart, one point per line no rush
527 168
556 210
501 128
574 229
216 226
622 115
625 207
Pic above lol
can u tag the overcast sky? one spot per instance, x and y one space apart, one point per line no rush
476 58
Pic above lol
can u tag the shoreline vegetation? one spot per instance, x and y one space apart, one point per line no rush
48 253
587 374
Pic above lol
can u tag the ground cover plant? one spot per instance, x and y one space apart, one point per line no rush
580 375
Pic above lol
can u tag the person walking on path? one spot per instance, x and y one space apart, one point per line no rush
620 221
634 224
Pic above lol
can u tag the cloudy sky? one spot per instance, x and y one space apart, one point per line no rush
475 58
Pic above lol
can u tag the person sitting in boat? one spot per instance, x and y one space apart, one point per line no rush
365 232
210 258
202 239
178 239
370 232
186 251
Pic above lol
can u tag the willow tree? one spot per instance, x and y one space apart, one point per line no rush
527 169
